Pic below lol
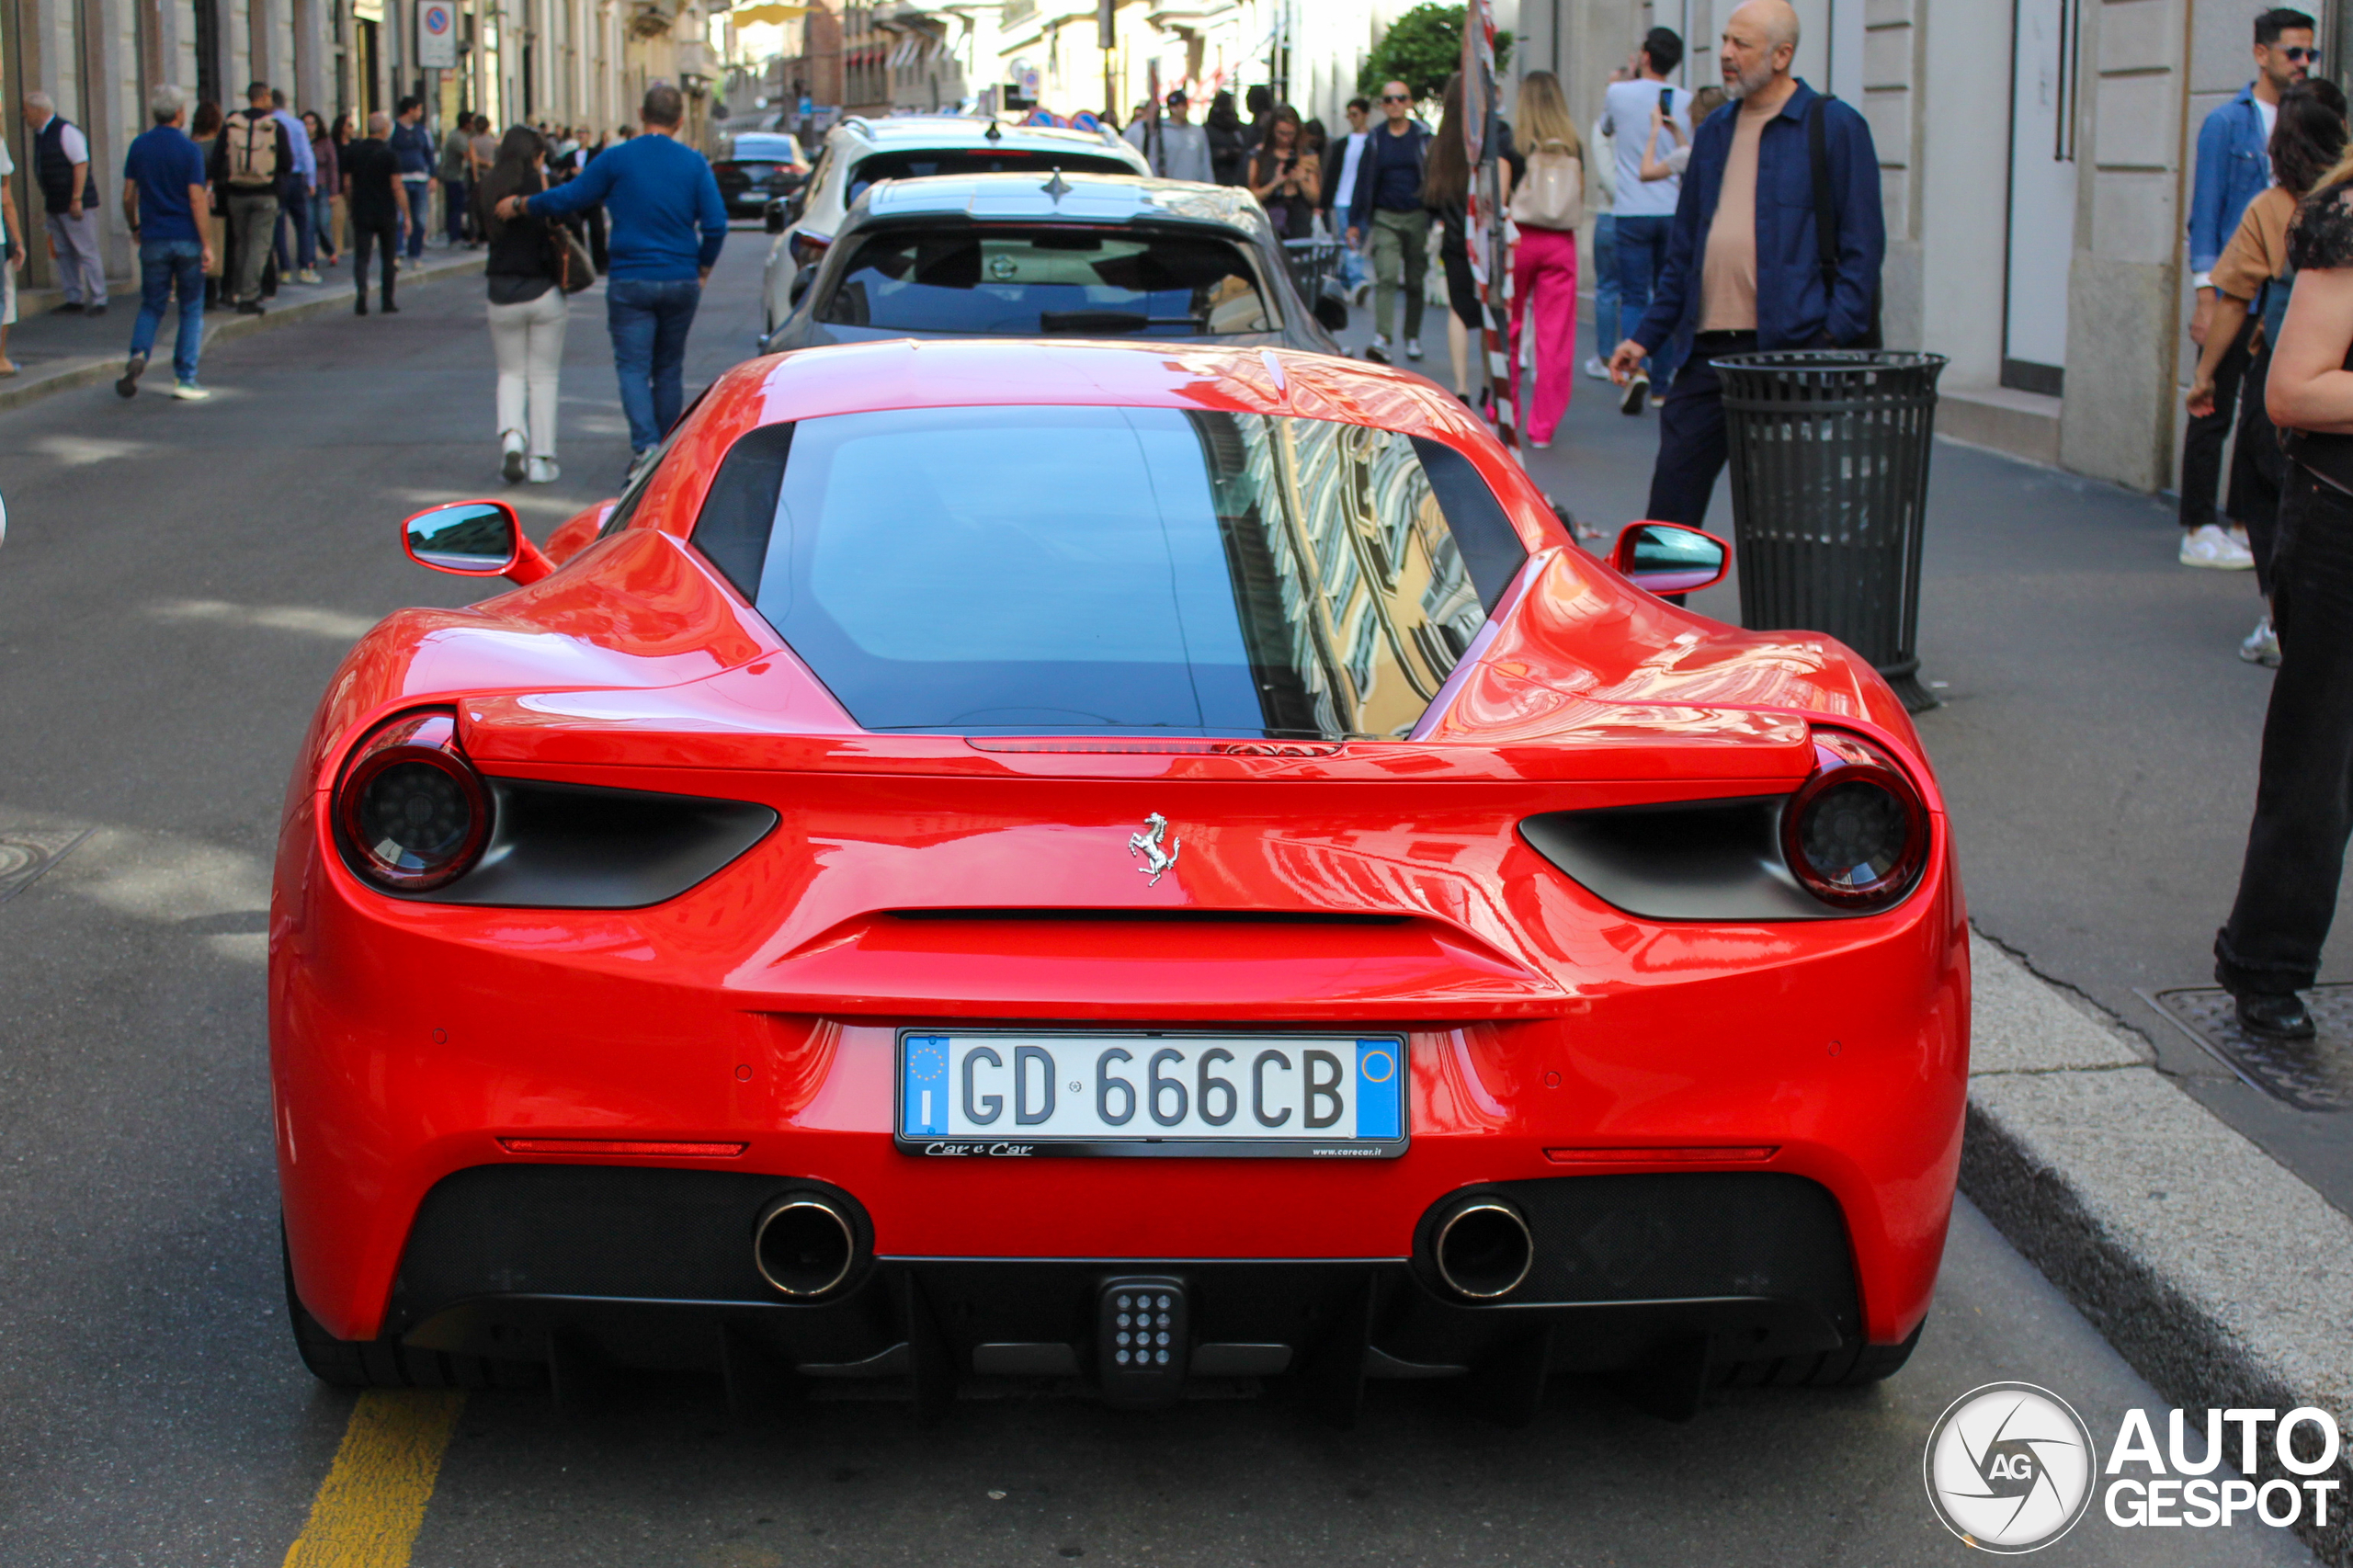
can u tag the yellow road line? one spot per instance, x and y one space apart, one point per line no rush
370 1507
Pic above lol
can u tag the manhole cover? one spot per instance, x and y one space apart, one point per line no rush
2311 1075
27 852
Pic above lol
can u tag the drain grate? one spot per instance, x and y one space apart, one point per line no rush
2310 1074
27 852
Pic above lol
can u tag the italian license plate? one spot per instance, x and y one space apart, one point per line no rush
1003 1092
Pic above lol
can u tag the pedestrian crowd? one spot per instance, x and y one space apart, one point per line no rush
222 206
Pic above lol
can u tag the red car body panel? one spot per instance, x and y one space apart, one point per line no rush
1549 1032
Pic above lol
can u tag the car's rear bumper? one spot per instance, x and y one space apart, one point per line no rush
653 1267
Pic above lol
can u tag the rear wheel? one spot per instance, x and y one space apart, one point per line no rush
388 1364
1855 1365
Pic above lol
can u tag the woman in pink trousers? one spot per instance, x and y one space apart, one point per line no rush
1547 205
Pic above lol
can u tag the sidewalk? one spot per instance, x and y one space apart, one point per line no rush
2096 749
56 353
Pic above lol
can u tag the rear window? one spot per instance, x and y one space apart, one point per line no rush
1029 283
979 161
1091 570
750 171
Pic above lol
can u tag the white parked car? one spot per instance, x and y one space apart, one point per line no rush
860 152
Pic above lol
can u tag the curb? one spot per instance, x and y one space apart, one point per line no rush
106 367
2214 1270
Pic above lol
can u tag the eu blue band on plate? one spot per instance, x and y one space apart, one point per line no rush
1381 1072
923 1093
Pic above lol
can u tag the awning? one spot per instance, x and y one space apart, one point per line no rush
768 11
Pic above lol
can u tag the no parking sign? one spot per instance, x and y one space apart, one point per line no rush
436 35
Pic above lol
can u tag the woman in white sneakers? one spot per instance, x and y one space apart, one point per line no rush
527 309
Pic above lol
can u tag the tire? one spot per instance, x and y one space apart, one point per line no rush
388 1364
1855 1365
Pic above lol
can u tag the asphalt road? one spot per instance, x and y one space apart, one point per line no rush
177 584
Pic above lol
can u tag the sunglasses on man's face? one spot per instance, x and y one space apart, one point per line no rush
2300 56
1395 99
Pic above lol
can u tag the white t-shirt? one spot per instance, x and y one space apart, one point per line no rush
75 145
2270 117
1626 115
1345 192
1601 195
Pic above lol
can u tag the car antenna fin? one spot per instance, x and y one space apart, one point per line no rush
1056 187
995 132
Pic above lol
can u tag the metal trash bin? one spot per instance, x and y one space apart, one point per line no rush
1829 493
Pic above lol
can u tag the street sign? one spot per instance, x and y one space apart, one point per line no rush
436 35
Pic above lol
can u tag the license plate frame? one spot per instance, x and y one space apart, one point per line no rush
1389 1106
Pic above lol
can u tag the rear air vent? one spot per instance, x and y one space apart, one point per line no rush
1162 916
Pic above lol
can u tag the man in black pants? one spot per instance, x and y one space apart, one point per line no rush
1712 281
371 184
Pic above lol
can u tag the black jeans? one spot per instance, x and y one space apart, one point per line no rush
384 232
1691 432
2303 798
2258 468
2202 443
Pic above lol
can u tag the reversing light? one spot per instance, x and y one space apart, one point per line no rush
1856 834
411 812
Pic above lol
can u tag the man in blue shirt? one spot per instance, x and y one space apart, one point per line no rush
164 202
413 150
2233 167
294 196
669 224
1744 266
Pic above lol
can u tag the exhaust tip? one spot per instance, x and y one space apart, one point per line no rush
1483 1249
805 1244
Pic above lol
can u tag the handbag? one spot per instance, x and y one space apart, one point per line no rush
568 260
1552 194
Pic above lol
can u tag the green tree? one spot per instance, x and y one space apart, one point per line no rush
1422 49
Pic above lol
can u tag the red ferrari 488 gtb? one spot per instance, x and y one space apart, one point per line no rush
1109 863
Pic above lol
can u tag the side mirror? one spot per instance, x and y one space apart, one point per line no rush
1669 558
473 539
774 216
800 281
1333 313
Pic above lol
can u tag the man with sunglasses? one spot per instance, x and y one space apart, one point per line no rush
1386 216
2233 167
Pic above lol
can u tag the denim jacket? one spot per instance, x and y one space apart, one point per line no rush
1794 310
2233 168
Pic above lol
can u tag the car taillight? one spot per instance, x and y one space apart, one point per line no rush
411 810
1856 834
807 248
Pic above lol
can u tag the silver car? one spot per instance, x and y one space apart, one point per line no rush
860 152
1082 256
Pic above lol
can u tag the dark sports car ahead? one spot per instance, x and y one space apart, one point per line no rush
1069 255
759 168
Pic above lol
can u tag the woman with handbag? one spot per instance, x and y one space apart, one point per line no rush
1547 205
1446 195
528 314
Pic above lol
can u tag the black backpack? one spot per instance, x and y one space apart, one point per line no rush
1826 221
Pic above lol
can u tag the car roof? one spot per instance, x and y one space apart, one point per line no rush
915 131
763 143
1082 197
948 372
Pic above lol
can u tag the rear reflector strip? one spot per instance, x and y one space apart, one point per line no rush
622 1146
1160 748
1703 1154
